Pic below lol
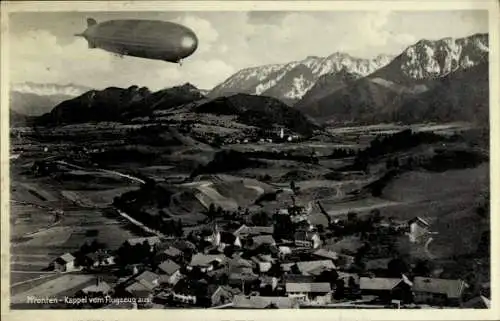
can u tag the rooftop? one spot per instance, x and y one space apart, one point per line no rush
172 251
366 283
253 230
452 288
326 254
168 267
306 267
66 258
200 259
323 287
263 239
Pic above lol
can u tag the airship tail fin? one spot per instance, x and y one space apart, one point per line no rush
91 22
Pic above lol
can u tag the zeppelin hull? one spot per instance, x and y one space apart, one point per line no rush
143 38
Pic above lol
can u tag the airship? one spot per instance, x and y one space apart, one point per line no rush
148 39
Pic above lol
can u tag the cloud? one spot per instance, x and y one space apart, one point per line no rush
202 28
36 56
228 42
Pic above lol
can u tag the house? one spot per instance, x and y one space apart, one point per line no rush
307 239
152 241
268 281
206 262
100 258
222 239
187 291
438 291
309 267
142 285
284 251
64 263
218 295
239 264
479 302
169 272
386 289
307 292
349 278
200 293
264 302
418 227
298 278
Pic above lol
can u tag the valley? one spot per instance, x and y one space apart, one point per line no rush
329 171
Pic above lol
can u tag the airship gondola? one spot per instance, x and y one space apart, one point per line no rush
149 39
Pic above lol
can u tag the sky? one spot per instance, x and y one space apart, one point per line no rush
44 50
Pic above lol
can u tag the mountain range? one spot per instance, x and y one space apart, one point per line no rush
129 104
35 99
424 83
440 80
290 81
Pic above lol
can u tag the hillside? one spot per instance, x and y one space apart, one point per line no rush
114 104
461 95
290 81
326 85
421 69
259 111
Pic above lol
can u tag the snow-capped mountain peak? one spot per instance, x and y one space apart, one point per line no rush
290 81
430 59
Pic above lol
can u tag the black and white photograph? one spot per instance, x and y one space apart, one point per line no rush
248 159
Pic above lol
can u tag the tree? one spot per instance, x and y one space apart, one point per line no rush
423 268
395 162
276 270
352 283
260 219
352 217
397 267
483 248
339 289
375 216
294 269
179 229
329 276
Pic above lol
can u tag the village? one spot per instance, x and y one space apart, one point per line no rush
283 264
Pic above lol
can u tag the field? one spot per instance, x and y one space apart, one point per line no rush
39 236
55 288
86 191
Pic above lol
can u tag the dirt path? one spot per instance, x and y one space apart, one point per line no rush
139 224
43 229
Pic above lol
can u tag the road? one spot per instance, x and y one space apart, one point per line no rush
102 170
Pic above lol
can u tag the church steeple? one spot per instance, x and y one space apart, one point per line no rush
215 234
